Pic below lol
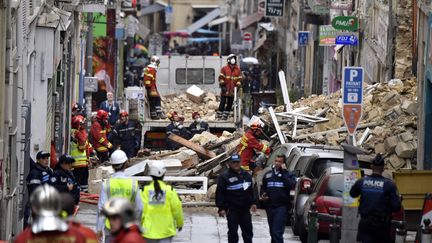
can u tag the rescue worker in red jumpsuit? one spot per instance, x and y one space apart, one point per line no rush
248 144
151 88
47 225
80 151
120 213
99 130
230 76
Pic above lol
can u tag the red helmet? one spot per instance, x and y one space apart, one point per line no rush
102 115
194 114
77 121
181 118
124 113
171 115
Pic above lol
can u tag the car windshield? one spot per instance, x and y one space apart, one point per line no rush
335 186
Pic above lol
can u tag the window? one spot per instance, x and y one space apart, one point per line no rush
335 186
321 164
195 76
302 163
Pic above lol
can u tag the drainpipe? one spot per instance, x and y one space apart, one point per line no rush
390 41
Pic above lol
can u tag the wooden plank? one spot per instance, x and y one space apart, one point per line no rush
195 147
276 124
284 89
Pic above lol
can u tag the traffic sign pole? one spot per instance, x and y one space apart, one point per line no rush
352 86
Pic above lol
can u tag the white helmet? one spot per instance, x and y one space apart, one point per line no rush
120 207
157 168
155 60
118 157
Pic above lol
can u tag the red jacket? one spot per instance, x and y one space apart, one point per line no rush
88 233
99 136
150 81
72 235
129 235
229 77
248 144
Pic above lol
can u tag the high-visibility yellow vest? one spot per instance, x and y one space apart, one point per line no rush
121 187
79 156
162 217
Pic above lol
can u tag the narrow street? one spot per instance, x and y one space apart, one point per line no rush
202 225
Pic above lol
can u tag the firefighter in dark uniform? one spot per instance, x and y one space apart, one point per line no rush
275 192
379 198
39 174
198 126
175 127
235 199
66 181
127 134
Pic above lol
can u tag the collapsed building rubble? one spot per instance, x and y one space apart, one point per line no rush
388 124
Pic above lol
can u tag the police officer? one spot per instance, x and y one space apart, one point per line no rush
39 174
275 192
379 198
65 179
235 199
119 185
127 134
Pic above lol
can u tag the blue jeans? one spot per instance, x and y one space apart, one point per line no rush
277 217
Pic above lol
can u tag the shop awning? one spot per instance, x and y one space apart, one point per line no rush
250 19
203 21
204 39
156 7
221 21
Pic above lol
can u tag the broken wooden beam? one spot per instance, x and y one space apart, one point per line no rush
195 147
281 136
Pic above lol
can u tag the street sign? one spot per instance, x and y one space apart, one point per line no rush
90 84
352 97
247 36
274 8
303 38
351 40
327 35
349 23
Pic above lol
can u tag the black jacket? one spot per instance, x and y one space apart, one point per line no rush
39 175
277 186
377 195
198 128
63 178
128 136
173 129
235 191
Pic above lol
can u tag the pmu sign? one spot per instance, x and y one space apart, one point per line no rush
352 97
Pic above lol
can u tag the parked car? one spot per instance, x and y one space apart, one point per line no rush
327 197
309 163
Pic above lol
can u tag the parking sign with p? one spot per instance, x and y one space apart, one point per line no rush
352 97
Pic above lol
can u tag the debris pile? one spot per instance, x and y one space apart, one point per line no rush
183 104
403 55
388 124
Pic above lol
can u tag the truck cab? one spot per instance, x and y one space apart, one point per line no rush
174 76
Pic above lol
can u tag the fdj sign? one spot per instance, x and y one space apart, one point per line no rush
347 40
349 23
274 8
